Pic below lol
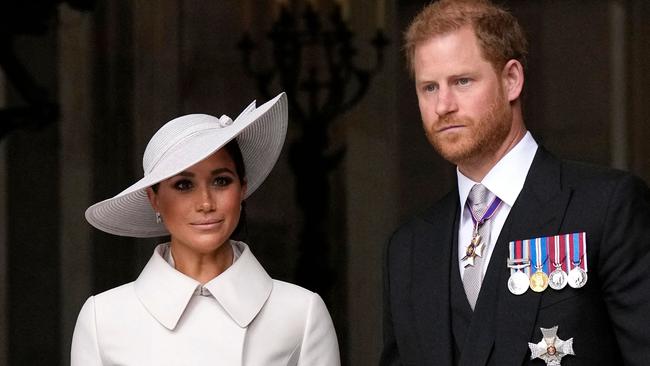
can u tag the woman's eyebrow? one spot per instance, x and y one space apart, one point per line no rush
217 171
222 170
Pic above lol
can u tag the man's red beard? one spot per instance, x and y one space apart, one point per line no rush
478 139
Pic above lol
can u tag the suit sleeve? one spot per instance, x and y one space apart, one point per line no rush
85 349
319 344
624 264
390 353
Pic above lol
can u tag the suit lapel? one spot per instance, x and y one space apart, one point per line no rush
430 282
538 211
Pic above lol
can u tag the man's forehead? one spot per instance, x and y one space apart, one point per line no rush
448 54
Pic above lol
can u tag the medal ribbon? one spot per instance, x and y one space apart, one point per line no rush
538 256
518 250
511 252
567 250
578 252
553 252
492 209
559 257
583 247
544 253
533 253
526 248
516 258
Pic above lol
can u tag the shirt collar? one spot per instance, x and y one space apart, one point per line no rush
241 290
506 179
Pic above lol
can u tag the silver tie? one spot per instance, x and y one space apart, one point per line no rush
477 202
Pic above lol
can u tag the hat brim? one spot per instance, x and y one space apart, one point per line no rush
260 133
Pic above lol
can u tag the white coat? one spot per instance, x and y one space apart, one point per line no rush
250 320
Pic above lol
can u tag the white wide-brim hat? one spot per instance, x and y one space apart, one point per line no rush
183 142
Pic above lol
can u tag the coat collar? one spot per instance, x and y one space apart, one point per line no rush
241 290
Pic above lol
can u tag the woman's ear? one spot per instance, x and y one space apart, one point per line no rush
153 199
244 188
513 79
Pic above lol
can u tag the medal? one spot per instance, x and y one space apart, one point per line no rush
539 280
578 275
518 282
474 249
557 280
551 349
553 261
477 245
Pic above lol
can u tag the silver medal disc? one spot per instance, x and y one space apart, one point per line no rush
557 280
518 283
577 277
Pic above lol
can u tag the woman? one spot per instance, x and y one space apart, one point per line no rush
202 299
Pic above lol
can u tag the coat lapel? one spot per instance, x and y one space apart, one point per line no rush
430 260
538 211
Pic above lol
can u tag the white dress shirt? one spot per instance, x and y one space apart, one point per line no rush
244 318
505 180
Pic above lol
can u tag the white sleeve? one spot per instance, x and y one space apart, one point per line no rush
85 349
319 344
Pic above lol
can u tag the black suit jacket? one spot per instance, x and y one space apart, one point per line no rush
609 318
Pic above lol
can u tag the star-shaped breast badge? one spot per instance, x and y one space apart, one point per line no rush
475 249
551 349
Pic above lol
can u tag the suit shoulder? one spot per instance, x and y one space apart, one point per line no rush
423 220
580 174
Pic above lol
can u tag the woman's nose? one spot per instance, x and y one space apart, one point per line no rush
206 202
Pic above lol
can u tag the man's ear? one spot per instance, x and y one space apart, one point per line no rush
153 199
512 77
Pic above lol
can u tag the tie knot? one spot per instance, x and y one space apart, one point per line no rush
478 200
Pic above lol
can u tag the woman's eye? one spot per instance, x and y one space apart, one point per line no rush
222 181
183 185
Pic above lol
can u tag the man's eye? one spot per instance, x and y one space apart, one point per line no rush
463 81
183 185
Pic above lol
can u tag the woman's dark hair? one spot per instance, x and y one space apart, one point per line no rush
241 231
235 154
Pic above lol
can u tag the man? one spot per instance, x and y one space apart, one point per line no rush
467 282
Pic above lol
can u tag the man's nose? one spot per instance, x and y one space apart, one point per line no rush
446 102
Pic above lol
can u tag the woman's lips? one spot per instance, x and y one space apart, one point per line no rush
206 224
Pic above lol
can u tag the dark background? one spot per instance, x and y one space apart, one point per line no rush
106 74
